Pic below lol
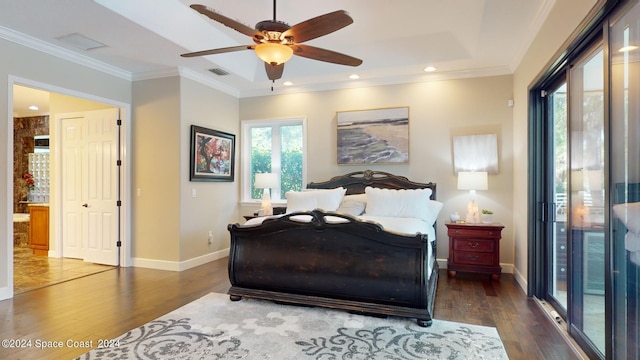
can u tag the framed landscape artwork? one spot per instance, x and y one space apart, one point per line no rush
379 136
212 154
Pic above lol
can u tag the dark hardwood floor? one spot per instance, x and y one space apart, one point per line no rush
108 304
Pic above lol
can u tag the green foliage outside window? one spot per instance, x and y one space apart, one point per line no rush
290 157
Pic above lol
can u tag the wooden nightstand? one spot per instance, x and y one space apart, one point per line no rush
474 248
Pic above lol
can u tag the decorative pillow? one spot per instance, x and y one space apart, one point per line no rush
351 207
327 200
399 203
629 214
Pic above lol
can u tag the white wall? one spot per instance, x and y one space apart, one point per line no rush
563 19
438 110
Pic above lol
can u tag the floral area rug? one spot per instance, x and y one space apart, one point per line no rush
213 327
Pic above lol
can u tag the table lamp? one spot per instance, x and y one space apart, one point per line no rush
266 181
472 181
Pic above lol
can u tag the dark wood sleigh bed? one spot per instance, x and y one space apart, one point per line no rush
352 265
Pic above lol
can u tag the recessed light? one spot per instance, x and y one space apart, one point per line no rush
287 83
429 69
33 107
354 76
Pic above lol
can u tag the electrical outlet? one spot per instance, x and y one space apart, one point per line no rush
210 237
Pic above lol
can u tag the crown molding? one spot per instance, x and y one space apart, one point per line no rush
385 81
47 48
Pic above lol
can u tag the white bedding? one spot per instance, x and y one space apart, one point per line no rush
402 225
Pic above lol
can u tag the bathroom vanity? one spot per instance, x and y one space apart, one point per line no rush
39 229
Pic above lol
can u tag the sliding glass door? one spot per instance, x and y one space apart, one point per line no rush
586 236
557 231
585 146
624 183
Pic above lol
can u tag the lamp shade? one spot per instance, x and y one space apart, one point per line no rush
274 53
472 180
266 181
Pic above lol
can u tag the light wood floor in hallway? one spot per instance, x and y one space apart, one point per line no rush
108 304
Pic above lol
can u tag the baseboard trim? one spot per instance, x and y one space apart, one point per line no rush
506 268
521 280
179 265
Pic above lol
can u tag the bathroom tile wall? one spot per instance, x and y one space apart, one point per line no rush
24 129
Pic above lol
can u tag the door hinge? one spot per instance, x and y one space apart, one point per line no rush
543 93
119 243
119 162
119 203
119 122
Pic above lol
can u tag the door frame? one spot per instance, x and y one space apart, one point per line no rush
125 172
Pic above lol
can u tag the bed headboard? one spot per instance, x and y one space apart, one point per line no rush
356 182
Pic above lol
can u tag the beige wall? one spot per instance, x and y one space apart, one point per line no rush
156 170
438 110
169 226
215 205
561 22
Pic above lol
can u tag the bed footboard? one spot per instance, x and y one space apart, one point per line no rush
352 264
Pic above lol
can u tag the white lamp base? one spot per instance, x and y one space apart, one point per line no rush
473 216
267 209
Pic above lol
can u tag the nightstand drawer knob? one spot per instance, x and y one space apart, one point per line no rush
474 258
490 232
472 245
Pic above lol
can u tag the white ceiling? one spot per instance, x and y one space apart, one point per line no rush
395 39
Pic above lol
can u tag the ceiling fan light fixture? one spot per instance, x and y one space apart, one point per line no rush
274 53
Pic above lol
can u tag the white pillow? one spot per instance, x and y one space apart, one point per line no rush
629 214
300 201
325 199
434 210
413 203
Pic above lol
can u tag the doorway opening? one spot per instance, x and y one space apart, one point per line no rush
38 255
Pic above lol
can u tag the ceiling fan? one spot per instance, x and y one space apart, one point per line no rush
276 41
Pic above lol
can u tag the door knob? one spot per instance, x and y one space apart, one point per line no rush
85 205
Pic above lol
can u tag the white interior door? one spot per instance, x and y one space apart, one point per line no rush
89 186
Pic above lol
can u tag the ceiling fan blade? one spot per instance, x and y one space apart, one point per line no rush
312 52
318 26
219 51
235 25
274 72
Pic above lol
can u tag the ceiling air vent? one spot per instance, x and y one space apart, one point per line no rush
219 72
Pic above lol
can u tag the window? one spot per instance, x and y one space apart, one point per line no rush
276 146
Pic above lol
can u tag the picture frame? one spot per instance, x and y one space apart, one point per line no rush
376 136
212 155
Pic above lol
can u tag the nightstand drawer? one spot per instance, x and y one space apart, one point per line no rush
473 233
473 258
474 245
